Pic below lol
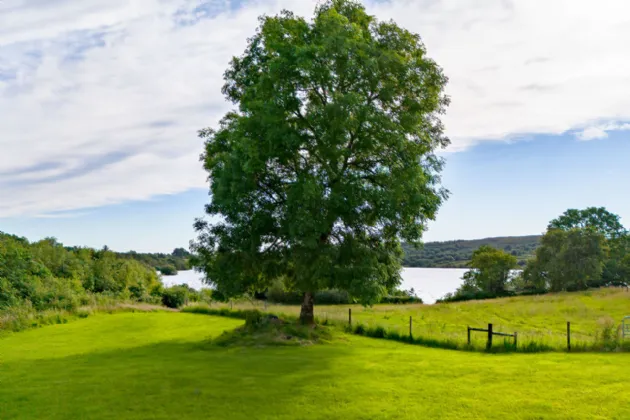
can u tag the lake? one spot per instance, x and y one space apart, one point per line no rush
428 283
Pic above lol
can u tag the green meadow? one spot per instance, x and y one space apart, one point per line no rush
540 319
164 365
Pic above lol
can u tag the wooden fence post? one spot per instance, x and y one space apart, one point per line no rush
350 316
568 336
469 335
489 344
515 342
410 334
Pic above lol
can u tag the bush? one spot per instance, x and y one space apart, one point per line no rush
400 299
253 318
323 297
168 270
156 290
376 332
608 335
175 297
206 295
331 297
137 291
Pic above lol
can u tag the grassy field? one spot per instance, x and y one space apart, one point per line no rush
162 366
540 319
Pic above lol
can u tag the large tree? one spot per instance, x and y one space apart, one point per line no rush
328 161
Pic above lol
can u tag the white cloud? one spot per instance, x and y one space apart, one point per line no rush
100 100
525 66
592 133
601 131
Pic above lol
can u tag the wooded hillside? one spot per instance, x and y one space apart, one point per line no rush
167 264
457 254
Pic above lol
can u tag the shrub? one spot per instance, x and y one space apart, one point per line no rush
331 297
206 295
400 299
168 270
156 290
376 332
608 335
137 291
253 318
359 329
323 297
277 294
175 297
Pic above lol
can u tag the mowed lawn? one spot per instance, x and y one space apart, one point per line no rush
161 366
541 319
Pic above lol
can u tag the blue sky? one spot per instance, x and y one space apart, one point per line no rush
497 189
100 102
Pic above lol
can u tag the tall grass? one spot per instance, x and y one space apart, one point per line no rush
539 320
24 316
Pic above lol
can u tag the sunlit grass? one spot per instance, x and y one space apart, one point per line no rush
540 319
160 366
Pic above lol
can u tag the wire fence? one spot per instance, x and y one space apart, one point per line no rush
397 322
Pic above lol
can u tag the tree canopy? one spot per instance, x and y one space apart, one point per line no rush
491 269
328 160
46 275
166 264
596 218
581 248
568 260
490 273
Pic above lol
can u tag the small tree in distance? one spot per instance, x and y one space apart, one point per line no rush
328 160
567 260
490 271
614 244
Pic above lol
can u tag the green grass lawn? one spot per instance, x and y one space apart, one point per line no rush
541 319
161 366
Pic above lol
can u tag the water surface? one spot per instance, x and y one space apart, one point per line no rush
428 283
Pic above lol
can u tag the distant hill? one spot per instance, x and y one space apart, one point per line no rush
167 264
457 254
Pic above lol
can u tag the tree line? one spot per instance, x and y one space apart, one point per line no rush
458 254
46 275
166 264
580 249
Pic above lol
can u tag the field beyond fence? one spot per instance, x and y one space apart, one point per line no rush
540 321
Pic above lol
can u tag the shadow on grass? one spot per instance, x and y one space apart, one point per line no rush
190 380
163 380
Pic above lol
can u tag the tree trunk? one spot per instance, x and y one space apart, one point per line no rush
306 313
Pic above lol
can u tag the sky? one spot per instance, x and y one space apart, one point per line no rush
101 101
